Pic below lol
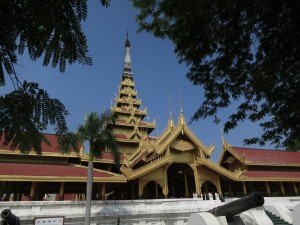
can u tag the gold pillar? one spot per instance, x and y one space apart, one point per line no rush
295 188
186 185
61 191
267 188
282 188
244 188
197 184
165 182
32 191
103 191
219 189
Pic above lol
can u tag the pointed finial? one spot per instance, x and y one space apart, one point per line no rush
171 122
127 63
170 106
180 100
127 42
181 119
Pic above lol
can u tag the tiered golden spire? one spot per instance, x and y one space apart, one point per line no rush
128 108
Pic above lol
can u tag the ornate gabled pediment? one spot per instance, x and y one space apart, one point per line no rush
135 136
132 121
229 160
183 145
198 143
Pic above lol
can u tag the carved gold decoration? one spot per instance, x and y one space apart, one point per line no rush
183 145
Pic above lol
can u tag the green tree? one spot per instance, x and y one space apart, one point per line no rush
50 30
247 52
25 113
293 147
96 132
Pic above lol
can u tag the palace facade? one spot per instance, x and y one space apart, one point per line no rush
175 164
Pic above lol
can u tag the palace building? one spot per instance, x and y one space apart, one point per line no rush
175 164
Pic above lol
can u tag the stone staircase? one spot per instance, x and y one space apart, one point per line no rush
276 220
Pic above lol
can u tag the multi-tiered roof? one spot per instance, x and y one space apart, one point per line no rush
129 126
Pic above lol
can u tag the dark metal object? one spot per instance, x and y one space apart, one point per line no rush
9 218
255 199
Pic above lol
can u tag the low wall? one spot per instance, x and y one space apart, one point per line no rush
287 202
157 211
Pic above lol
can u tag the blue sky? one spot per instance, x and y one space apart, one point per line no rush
158 77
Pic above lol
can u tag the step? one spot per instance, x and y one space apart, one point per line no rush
275 219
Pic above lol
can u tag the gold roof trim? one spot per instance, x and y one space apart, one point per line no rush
154 164
219 169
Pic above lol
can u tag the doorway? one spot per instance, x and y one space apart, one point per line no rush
181 181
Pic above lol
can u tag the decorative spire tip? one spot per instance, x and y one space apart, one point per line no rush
127 42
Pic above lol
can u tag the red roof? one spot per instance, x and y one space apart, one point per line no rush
121 121
52 138
151 138
143 123
272 174
23 169
267 156
121 136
